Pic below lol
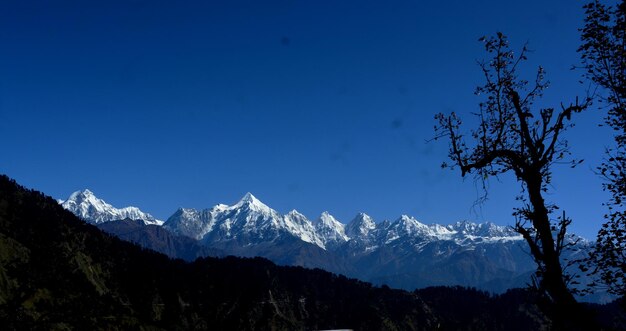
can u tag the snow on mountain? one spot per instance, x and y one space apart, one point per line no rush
330 230
409 226
362 226
193 223
301 227
484 255
249 219
364 234
464 232
91 209
461 232
483 229
252 222
253 204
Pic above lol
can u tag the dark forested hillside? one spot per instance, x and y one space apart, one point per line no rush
57 272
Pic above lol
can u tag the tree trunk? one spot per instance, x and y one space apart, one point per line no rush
553 278
567 314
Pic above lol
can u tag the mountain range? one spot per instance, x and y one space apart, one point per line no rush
58 272
404 253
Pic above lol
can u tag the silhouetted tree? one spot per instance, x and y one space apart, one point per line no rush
603 53
512 135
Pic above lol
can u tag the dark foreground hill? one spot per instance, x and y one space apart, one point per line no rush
59 273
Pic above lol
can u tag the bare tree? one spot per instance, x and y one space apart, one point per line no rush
514 135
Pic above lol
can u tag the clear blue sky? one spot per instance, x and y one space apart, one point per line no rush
312 105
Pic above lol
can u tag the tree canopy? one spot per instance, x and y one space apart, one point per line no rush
603 56
512 134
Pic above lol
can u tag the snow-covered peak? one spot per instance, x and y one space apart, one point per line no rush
410 224
407 218
85 192
85 204
487 229
298 225
365 219
465 227
330 230
251 202
327 218
295 213
220 206
408 227
86 196
248 197
361 226
91 209
328 221
249 220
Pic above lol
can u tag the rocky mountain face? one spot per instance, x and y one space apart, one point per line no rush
158 239
404 253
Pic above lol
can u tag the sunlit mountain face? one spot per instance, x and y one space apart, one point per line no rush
404 253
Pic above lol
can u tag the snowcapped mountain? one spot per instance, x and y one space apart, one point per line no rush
484 230
251 222
330 230
301 227
91 209
193 223
364 232
361 227
404 253
248 220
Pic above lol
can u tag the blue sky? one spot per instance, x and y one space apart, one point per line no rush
312 105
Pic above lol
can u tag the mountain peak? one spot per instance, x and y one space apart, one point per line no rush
361 223
249 197
360 226
330 229
411 227
252 202
91 209
85 197
364 220
294 212
363 217
327 218
407 218
82 195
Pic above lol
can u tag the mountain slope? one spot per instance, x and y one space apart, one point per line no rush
331 231
156 238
